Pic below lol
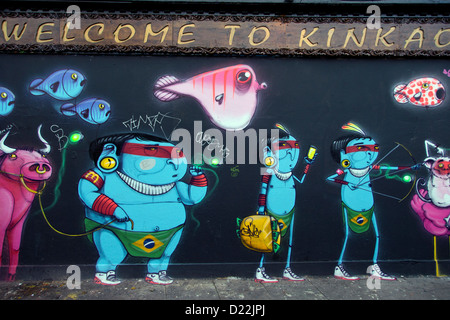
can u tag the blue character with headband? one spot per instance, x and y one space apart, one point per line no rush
356 153
135 202
278 193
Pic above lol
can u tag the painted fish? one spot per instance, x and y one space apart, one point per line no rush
64 84
423 92
7 101
228 95
93 110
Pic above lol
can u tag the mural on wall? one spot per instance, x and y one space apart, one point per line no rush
432 199
423 92
139 196
23 175
135 197
227 95
276 211
356 153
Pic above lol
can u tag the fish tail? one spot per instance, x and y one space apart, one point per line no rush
67 109
33 86
399 95
160 90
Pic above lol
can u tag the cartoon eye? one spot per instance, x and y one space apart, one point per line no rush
13 156
345 163
296 144
74 76
108 163
244 78
425 85
440 165
4 95
377 147
101 106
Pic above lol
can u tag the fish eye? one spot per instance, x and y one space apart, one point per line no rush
74 76
244 76
425 85
3 95
101 106
13 156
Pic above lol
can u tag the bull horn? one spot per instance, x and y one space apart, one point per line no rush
47 145
4 147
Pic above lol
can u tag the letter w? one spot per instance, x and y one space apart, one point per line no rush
14 31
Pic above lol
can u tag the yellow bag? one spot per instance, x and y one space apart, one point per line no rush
259 233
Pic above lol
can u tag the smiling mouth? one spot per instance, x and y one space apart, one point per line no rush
144 188
359 172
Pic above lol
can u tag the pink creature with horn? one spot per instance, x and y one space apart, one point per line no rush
23 174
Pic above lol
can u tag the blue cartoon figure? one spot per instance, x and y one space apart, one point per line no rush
65 84
135 202
356 153
278 194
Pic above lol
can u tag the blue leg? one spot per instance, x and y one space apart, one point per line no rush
110 249
341 257
161 264
377 240
291 231
261 262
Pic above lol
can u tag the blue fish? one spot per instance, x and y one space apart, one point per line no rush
7 101
64 84
93 110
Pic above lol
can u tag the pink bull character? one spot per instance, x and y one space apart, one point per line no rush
23 174
228 95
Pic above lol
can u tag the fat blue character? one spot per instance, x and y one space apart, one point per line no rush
356 153
278 194
135 202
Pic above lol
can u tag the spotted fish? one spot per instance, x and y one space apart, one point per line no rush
423 92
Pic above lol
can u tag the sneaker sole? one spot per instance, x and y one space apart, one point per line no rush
158 283
348 279
294 280
98 281
266 281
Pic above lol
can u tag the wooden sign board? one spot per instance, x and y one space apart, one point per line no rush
224 34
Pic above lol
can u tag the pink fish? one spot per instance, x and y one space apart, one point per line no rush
228 95
423 92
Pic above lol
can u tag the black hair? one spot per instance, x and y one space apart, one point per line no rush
96 146
341 143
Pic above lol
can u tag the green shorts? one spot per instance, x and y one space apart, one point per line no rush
359 221
139 244
284 220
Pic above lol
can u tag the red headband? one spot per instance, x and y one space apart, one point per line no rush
362 147
147 150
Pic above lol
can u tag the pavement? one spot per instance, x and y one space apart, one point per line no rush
230 289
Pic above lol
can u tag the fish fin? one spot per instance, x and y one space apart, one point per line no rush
33 86
165 95
55 86
165 81
85 113
67 109
399 96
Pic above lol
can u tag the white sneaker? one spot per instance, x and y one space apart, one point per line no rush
291 276
107 279
376 272
159 278
261 276
341 273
